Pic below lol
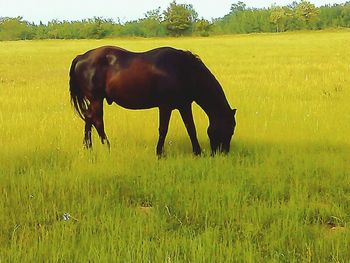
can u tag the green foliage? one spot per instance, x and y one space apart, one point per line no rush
237 7
330 16
152 25
155 15
202 27
345 15
182 19
246 21
307 13
278 17
179 18
13 29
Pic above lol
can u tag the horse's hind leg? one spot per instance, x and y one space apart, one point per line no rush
187 117
87 135
96 112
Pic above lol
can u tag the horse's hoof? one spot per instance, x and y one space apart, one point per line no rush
108 145
160 156
197 152
87 146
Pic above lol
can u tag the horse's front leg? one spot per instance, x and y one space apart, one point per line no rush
164 117
187 117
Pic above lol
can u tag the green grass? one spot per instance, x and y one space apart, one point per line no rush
281 195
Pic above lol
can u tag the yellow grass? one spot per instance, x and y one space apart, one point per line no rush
281 195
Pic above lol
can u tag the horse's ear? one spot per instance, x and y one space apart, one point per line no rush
234 112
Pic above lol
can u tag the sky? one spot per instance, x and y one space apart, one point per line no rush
126 10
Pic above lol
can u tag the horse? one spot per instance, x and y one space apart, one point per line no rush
164 77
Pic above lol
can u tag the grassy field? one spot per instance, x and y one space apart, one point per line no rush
281 195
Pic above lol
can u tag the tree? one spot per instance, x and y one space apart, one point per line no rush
306 12
345 15
54 27
237 7
154 14
278 17
98 27
202 26
151 25
179 18
13 28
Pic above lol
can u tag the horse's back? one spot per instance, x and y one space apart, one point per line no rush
137 80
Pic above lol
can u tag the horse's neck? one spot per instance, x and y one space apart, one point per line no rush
213 101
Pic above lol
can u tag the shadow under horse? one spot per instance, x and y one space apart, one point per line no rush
165 77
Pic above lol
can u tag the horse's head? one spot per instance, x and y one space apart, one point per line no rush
220 132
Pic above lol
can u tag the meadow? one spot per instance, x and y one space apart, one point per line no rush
281 195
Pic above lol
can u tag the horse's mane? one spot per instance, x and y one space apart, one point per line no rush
206 77
195 57
197 63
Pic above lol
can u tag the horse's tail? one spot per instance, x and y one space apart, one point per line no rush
77 97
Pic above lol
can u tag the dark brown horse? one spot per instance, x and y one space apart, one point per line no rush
165 77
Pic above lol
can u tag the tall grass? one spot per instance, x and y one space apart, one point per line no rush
281 195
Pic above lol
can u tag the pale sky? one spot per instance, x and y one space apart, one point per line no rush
126 10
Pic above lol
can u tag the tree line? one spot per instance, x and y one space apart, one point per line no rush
182 20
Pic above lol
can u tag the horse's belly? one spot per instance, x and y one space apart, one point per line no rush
134 103
132 97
